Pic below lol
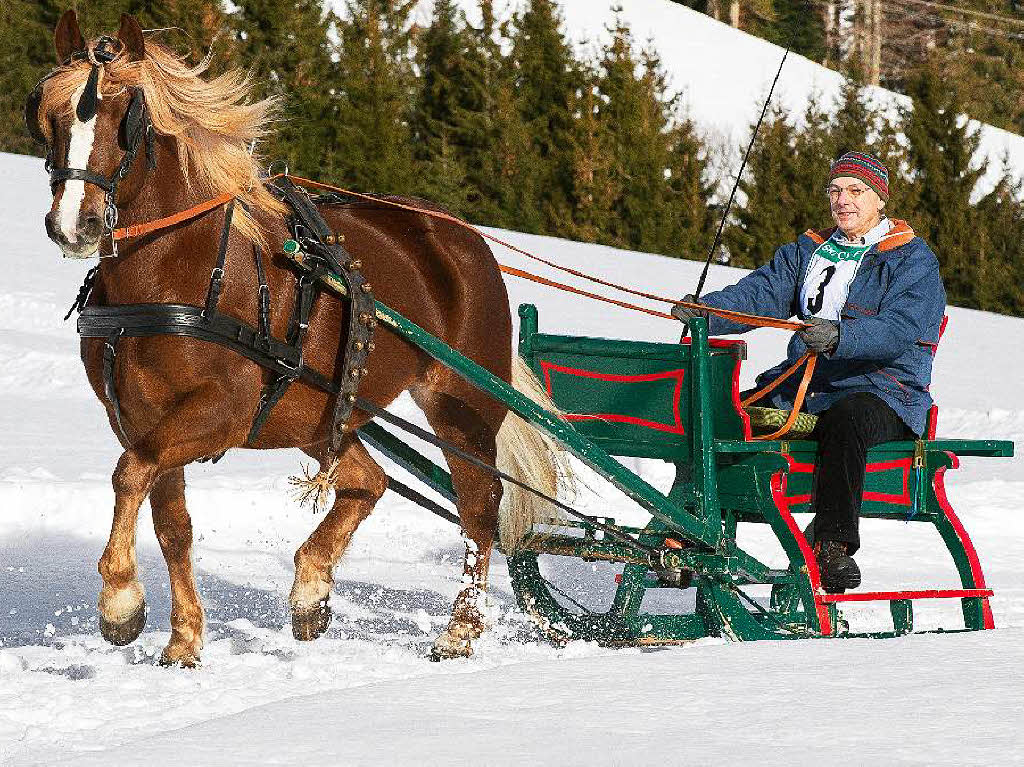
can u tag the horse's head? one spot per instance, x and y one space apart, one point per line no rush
93 134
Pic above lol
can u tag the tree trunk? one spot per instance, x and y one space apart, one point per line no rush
874 74
734 13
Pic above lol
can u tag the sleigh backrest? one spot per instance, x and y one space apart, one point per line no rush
635 398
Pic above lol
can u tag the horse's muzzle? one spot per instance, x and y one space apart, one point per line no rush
88 231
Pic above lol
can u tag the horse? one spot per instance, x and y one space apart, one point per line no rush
183 400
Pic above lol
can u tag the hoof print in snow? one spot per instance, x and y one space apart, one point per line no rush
309 624
120 634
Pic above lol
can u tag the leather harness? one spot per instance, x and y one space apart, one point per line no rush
283 358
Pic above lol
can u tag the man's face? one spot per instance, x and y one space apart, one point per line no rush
856 207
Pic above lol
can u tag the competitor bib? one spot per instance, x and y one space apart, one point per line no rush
829 275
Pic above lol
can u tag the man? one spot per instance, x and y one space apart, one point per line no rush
871 293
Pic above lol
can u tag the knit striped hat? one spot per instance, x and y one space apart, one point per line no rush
866 168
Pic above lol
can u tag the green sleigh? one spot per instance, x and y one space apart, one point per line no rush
680 403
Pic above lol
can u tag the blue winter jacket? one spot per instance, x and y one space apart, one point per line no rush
887 331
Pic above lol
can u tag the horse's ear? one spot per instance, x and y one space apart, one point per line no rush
67 37
130 34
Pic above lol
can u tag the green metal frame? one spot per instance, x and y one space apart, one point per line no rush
614 393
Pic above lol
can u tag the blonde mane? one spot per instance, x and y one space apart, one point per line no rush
214 122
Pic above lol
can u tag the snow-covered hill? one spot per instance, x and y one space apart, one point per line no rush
364 694
725 73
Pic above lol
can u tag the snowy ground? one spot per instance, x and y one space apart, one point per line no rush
364 694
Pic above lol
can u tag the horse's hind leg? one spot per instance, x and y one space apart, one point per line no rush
360 484
174 532
463 416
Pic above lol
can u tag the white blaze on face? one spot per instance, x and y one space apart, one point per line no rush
79 151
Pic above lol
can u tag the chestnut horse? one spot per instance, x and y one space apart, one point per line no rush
183 399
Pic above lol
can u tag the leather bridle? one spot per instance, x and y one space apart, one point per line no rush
136 128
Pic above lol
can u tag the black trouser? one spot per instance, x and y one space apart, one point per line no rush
845 432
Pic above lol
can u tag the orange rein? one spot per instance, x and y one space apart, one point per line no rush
138 230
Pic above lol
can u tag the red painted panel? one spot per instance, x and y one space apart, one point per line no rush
673 428
902 499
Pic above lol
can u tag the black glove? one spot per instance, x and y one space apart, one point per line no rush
684 313
821 336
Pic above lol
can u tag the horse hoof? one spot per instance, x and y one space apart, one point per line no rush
120 634
446 647
309 624
184 659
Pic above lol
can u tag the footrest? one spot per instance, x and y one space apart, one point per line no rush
888 596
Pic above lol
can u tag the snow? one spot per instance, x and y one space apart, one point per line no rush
725 74
364 693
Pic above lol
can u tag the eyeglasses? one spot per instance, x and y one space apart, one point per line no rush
834 192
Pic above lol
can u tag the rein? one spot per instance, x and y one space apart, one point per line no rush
808 360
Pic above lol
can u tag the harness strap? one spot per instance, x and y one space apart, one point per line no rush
109 384
325 245
264 293
59 175
217 275
138 230
83 292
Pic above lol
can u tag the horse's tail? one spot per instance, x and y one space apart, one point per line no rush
533 458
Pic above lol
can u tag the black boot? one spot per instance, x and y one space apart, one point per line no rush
838 570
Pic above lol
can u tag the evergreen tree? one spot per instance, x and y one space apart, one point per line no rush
1000 258
640 158
477 124
596 184
449 95
285 44
940 149
690 194
766 218
376 88
813 152
28 54
546 79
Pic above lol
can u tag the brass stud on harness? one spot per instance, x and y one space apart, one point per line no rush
370 346
329 239
354 264
365 287
350 399
358 346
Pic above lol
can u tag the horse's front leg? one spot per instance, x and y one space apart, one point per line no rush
122 603
174 532
202 424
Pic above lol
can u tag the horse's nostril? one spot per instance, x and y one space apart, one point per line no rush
90 227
